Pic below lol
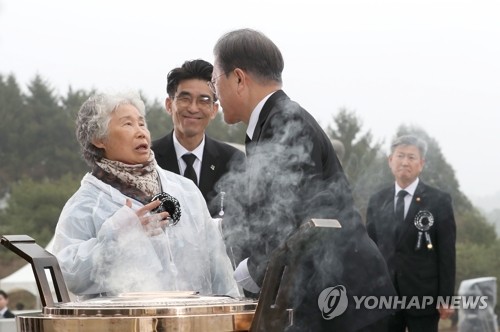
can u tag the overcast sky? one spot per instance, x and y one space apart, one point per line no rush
430 63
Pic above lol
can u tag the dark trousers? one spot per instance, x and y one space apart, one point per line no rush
399 321
379 326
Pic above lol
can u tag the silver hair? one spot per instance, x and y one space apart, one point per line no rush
410 140
93 119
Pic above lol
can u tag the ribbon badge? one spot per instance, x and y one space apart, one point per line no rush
423 222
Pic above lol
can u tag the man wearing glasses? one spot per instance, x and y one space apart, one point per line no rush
187 150
292 175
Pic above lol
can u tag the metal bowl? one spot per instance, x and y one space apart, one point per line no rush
178 311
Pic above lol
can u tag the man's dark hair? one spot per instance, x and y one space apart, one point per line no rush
2 293
194 69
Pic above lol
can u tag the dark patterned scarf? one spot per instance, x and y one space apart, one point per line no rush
139 182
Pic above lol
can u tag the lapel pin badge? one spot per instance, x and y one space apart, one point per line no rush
212 167
417 199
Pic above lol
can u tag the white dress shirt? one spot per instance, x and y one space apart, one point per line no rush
198 152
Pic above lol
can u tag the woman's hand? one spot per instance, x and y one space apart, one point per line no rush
153 223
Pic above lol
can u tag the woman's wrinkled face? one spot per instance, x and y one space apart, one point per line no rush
128 140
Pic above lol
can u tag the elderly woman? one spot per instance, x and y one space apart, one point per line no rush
111 237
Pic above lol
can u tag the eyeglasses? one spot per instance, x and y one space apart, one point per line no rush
185 100
211 83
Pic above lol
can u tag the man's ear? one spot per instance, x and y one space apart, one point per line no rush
389 159
242 79
240 75
214 111
422 163
168 105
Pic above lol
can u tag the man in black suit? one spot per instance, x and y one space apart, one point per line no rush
292 174
4 301
416 237
192 106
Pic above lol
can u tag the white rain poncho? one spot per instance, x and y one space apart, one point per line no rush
102 247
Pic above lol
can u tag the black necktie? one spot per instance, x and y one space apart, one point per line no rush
189 158
400 206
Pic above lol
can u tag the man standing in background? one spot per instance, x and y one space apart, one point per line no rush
4 301
187 150
414 226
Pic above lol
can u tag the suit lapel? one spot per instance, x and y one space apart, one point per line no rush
264 114
167 156
388 210
209 166
412 211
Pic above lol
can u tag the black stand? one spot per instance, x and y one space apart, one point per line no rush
40 260
274 312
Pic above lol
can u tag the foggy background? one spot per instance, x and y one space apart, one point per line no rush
433 64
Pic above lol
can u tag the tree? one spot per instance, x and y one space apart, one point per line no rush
159 122
33 209
472 227
12 105
362 161
72 103
493 217
45 132
38 137
221 131
34 206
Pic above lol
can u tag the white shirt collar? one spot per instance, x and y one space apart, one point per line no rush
254 117
180 150
198 152
2 312
410 189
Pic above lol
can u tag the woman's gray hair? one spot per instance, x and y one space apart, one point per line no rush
93 119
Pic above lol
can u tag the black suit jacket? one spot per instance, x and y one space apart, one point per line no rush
8 314
421 272
217 157
293 175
